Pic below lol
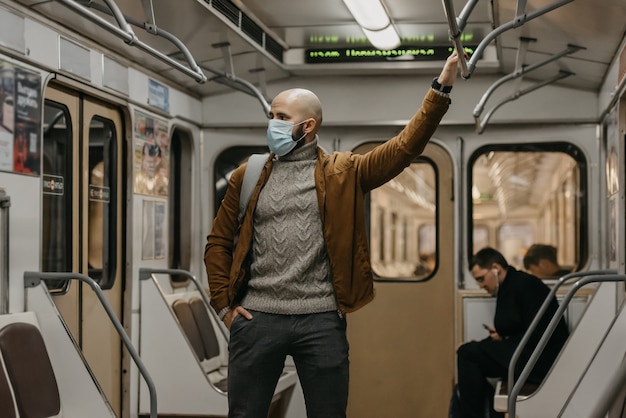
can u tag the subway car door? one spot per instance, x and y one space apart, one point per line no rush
402 344
82 224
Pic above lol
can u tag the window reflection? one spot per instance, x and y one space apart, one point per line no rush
526 196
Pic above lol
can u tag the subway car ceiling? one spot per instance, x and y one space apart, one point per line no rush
248 44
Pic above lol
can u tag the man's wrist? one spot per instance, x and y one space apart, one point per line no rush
223 312
439 87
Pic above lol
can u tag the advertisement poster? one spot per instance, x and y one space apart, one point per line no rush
20 120
151 159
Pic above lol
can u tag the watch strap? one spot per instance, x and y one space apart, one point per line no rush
437 86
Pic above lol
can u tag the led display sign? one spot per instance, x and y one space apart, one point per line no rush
369 54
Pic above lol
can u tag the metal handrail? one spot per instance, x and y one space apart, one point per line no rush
125 32
229 78
539 315
480 124
33 279
519 19
550 330
519 72
146 273
239 84
456 28
223 77
5 204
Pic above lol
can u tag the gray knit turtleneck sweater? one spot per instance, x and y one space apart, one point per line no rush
290 273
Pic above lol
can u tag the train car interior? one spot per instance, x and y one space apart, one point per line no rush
122 122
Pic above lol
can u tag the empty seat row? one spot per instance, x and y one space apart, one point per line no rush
198 328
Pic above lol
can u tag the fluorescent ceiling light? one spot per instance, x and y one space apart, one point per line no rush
376 24
383 39
370 14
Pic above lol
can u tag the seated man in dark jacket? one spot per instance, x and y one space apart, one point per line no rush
519 297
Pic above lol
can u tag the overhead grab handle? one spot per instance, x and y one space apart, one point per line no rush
124 31
519 72
520 18
262 80
230 79
148 9
150 26
480 125
456 28
517 21
241 85
228 57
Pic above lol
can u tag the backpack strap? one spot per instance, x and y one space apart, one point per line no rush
255 165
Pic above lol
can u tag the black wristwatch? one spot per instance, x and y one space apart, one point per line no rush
437 86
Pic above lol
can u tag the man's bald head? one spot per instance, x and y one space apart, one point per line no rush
296 105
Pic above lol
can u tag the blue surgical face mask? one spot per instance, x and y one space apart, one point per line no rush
279 137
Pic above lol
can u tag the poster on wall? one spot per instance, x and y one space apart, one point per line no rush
151 158
20 120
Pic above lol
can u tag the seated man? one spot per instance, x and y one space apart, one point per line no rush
519 297
541 261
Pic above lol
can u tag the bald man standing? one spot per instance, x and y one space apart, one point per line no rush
302 260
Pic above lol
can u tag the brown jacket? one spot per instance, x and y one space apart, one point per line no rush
341 179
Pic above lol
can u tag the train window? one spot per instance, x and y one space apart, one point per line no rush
102 220
403 214
180 204
225 164
525 194
57 185
481 236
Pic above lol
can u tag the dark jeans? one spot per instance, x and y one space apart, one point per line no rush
474 391
257 353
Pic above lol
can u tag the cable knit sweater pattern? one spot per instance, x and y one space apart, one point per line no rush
289 272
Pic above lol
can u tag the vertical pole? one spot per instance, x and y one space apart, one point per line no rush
5 203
